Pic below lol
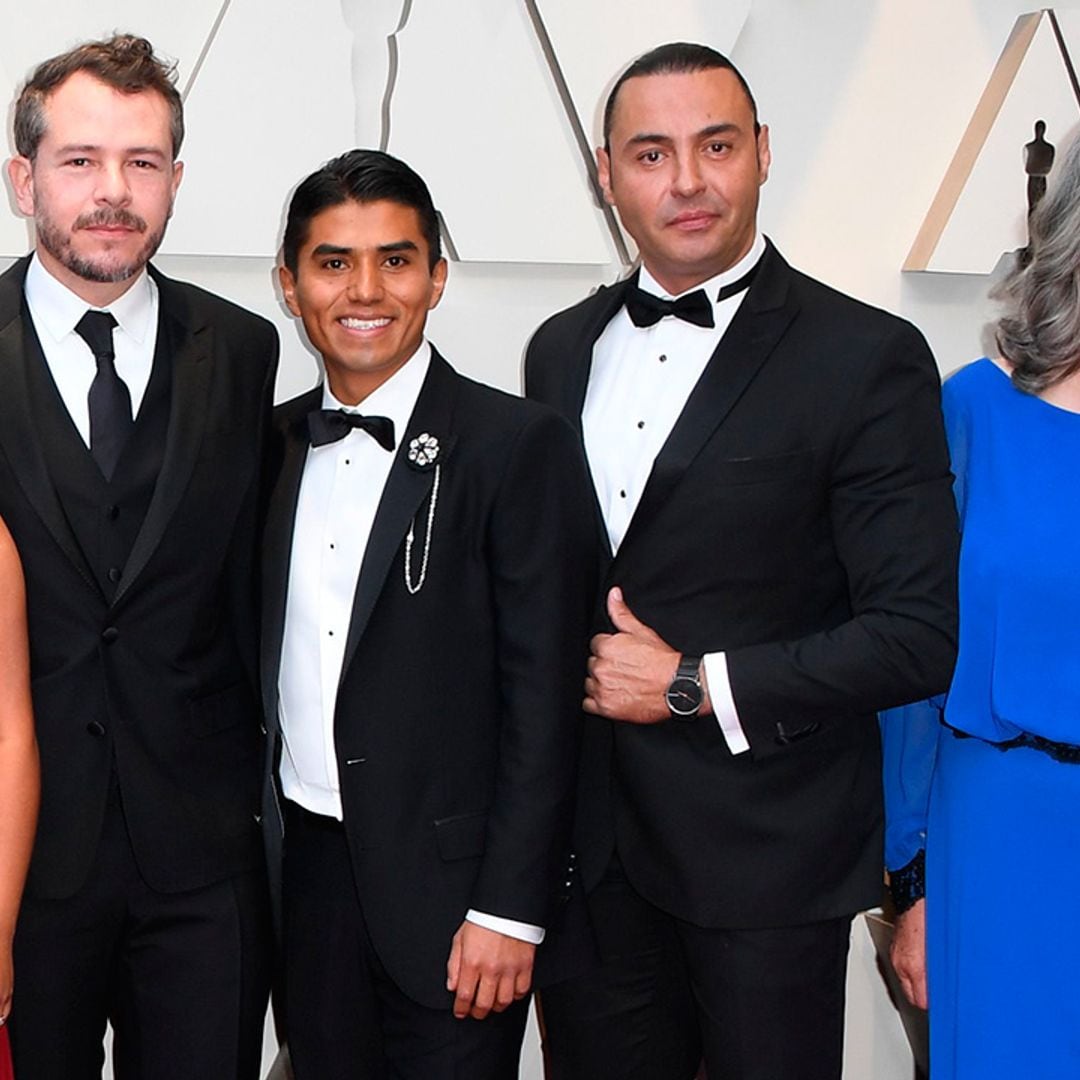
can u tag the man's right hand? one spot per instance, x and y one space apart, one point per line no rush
908 953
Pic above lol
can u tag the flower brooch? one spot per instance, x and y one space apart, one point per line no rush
423 450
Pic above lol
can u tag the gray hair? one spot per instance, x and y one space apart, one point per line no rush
1040 332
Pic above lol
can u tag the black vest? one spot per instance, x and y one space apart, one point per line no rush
105 515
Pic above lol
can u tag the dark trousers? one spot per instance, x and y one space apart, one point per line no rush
183 977
754 1004
345 1018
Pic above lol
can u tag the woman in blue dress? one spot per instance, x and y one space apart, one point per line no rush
987 781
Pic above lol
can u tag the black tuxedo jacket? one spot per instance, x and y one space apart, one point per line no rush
157 683
457 725
799 518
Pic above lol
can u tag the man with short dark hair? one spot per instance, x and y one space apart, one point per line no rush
769 461
427 574
133 411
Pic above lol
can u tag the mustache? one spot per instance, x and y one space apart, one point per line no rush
107 217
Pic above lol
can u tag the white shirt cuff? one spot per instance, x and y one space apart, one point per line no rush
723 704
520 930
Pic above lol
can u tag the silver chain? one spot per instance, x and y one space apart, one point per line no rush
414 589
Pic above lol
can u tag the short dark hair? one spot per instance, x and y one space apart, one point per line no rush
675 58
125 62
363 176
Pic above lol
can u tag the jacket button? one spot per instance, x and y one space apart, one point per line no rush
109 634
112 512
96 728
114 574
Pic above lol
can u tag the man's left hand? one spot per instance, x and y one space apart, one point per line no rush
908 953
487 970
630 670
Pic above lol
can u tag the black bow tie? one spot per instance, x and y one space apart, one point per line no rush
646 309
330 425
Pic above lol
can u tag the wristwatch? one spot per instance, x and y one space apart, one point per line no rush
684 695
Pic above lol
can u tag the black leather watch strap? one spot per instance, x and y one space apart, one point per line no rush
685 694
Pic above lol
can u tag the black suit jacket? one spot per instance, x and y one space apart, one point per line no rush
457 723
161 679
799 518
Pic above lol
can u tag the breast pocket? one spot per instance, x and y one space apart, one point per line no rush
772 469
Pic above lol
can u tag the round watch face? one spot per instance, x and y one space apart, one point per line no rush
684 696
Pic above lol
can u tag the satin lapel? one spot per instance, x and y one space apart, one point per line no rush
191 347
405 491
759 324
277 545
19 437
600 312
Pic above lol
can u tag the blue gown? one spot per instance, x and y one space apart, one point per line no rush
1001 828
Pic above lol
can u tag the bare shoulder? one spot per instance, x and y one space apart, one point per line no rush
7 545
10 565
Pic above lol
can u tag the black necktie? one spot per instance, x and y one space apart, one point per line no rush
329 425
109 400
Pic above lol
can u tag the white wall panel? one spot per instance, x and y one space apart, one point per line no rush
476 111
272 101
595 41
32 32
990 215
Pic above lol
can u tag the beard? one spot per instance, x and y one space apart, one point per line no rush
103 268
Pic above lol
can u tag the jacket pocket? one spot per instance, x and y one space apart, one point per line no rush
220 710
760 470
461 836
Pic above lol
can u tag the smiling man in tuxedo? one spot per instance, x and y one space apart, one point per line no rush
423 626
133 413
770 464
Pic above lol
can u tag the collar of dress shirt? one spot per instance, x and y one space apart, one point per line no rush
57 309
713 286
395 398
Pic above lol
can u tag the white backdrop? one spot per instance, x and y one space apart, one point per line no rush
867 101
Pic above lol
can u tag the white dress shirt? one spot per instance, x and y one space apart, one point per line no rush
55 309
639 383
340 490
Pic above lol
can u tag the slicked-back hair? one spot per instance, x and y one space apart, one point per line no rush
363 176
675 58
125 62
1039 334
